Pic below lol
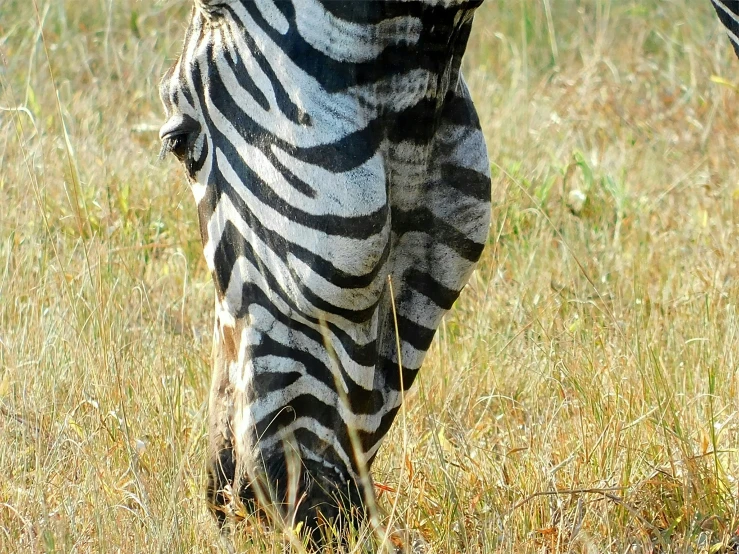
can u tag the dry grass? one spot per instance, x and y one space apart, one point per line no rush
582 397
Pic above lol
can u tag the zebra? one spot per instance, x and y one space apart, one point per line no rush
343 194
728 13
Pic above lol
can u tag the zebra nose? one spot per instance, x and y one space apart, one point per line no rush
178 125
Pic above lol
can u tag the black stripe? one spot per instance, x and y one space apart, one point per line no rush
266 382
422 282
424 221
467 181
418 336
392 373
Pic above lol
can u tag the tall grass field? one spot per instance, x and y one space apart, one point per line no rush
581 397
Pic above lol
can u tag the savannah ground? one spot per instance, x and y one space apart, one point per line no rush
582 395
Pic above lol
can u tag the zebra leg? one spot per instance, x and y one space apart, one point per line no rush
440 221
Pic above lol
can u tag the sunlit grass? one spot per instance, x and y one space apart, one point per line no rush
582 396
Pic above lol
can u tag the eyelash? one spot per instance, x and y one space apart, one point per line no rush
176 145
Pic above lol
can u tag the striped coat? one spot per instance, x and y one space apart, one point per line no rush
343 192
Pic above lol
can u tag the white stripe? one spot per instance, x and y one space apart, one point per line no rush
346 41
273 16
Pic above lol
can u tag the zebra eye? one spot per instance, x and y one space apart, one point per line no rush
177 145
177 135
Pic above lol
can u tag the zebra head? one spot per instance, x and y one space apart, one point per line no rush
342 188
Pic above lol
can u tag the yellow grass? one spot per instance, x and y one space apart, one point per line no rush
582 396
